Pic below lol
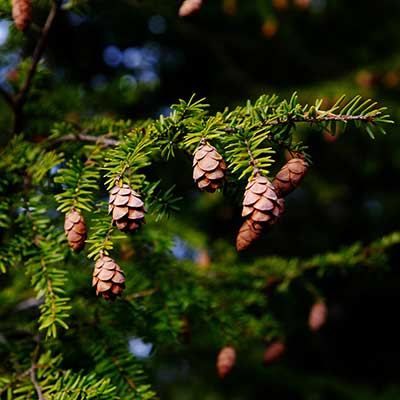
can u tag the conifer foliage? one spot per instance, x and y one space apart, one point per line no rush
87 187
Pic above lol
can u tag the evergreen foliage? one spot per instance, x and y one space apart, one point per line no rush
57 339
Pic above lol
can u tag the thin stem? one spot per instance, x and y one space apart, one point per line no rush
144 293
83 137
35 383
253 162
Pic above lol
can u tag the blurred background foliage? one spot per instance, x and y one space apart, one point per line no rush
132 59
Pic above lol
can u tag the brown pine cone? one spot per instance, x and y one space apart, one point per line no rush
127 208
75 230
248 232
262 209
225 361
289 176
189 7
208 168
317 316
273 352
21 12
108 278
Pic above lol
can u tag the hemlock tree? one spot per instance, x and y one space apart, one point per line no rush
120 229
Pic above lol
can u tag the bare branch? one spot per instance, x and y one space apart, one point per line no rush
35 383
83 137
145 293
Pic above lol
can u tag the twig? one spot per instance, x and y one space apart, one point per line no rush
21 377
253 161
145 293
35 383
88 138
312 120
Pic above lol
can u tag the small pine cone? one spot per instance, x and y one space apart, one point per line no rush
273 352
21 12
208 168
225 361
289 176
317 316
75 230
189 7
127 208
261 207
108 278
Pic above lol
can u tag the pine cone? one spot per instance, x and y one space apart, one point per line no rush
108 278
75 230
289 176
261 207
127 208
21 12
248 232
208 168
273 352
189 7
318 315
225 361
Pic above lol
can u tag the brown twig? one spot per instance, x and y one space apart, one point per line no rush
253 162
88 138
35 383
144 293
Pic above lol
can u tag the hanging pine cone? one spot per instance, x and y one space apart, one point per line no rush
273 352
261 207
248 232
75 230
225 361
189 7
318 315
208 168
108 278
127 208
289 176
21 12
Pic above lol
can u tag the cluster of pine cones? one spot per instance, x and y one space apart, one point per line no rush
127 210
263 201
263 205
